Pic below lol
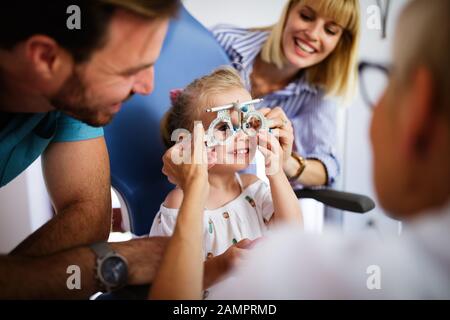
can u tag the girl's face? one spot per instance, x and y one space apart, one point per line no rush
308 37
237 154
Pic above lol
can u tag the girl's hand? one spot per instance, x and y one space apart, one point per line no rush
281 128
187 162
273 153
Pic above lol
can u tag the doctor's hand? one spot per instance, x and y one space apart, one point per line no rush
282 128
188 161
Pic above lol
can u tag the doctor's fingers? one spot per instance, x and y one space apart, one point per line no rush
198 145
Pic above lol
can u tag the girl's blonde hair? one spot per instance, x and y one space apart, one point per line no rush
337 74
189 103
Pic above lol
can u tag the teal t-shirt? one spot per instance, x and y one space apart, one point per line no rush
24 137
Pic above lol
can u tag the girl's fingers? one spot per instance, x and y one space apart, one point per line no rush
266 153
267 140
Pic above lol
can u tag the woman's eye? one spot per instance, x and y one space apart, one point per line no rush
330 31
306 17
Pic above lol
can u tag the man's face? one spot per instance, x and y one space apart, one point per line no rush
124 66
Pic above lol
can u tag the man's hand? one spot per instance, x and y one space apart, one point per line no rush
144 257
217 267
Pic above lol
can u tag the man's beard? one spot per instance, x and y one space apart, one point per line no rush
72 99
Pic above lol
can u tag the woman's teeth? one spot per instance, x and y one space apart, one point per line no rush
303 46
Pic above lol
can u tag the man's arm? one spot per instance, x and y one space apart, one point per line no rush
46 277
78 181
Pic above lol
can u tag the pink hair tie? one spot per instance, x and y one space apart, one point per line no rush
174 95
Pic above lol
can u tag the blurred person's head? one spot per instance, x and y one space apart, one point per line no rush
321 36
411 123
87 72
223 86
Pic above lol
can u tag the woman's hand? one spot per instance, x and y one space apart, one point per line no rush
188 161
281 128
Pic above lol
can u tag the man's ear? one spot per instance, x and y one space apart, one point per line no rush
46 56
417 118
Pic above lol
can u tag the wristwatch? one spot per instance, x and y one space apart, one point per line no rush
302 165
111 269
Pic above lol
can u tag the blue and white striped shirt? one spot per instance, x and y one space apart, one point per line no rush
312 115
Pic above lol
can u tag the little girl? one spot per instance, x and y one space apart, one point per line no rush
239 206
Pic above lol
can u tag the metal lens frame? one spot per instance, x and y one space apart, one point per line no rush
246 123
222 116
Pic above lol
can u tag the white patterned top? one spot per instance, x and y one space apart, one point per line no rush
246 216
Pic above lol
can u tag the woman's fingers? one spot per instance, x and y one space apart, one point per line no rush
285 138
277 118
265 111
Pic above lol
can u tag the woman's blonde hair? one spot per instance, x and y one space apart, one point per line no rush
189 103
337 74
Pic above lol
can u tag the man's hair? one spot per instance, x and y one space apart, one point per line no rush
192 101
20 20
423 39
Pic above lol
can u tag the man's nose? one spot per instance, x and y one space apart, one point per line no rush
144 82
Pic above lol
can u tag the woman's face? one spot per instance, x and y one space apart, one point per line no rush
308 37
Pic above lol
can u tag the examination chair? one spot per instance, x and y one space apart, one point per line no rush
135 145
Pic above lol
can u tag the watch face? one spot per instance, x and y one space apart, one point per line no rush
114 271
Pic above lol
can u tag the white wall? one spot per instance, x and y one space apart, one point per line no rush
243 13
24 207
358 156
